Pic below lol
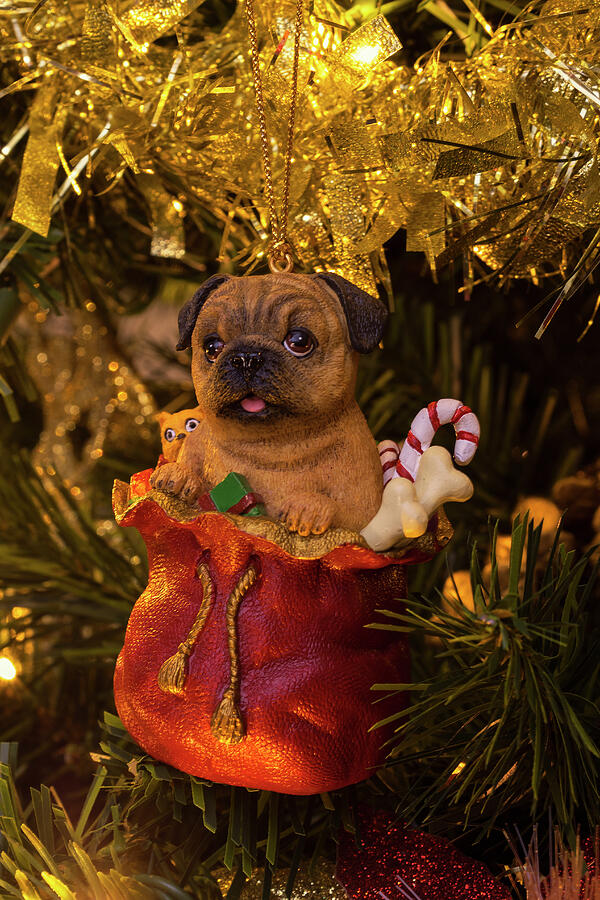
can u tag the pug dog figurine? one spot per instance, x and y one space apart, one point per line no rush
274 364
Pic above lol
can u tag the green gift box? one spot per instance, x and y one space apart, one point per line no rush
233 495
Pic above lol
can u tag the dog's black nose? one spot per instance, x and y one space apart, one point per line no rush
248 362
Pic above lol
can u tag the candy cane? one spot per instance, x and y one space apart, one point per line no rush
389 451
424 426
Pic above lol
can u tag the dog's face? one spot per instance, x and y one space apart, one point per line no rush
276 349
174 429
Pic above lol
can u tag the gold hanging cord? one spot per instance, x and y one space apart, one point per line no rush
279 255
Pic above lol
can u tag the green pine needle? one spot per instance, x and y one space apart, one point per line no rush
508 720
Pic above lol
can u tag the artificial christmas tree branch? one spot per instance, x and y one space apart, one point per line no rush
513 700
67 592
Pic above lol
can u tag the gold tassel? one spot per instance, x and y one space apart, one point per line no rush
173 672
227 724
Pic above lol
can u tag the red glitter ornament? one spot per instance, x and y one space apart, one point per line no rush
393 862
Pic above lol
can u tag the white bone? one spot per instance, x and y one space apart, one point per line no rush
399 510
413 519
406 507
439 482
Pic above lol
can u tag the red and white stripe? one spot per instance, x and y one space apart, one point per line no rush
389 451
423 428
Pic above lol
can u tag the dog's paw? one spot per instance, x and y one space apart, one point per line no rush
308 514
174 479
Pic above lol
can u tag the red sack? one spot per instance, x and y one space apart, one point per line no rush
257 637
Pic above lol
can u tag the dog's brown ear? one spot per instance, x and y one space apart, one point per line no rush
366 315
189 313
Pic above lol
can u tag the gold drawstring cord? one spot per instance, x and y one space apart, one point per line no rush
227 724
173 672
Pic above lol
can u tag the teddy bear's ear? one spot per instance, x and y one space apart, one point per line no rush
366 315
161 417
189 313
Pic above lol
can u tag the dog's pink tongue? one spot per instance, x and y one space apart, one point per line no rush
253 404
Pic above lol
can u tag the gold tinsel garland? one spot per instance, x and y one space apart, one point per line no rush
491 158
316 882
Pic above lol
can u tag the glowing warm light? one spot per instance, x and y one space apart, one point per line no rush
366 55
19 612
7 669
459 768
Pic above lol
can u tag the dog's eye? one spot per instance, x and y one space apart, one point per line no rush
191 424
213 346
170 434
300 342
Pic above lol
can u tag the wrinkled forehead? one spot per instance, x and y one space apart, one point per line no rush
261 303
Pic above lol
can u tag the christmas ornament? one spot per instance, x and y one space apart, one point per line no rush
246 660
393 861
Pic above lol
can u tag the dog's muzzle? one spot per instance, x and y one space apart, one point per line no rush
247 363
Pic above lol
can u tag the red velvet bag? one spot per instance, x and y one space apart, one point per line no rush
246 659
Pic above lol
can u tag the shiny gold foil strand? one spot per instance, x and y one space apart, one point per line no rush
166 211
479 17
15 139
572 77
209 154
164 94
57 199
25 55
19 84
97 35
427 217
124 150
68 172
33 203
591 319
367 46
150 19
347 228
